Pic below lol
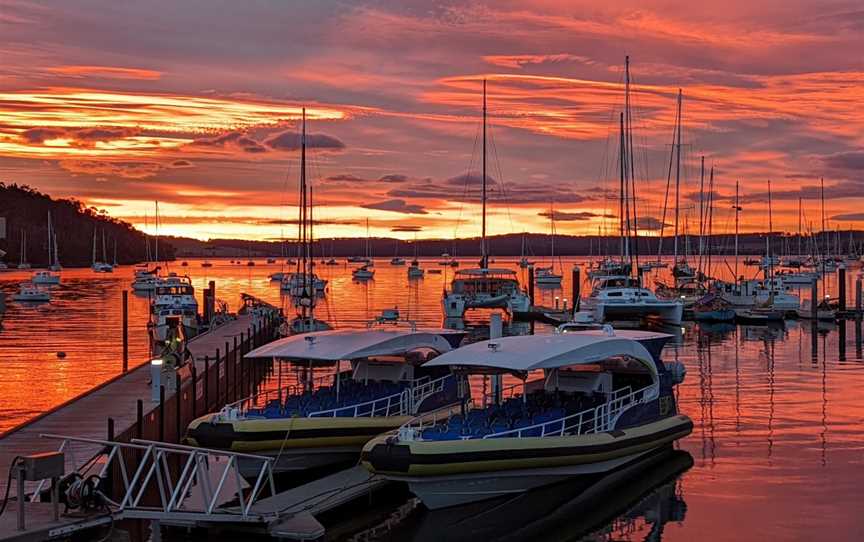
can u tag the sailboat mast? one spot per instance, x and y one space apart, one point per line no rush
677 173
737 212
483 255
825 240
622 161
157 233
799 228
49 241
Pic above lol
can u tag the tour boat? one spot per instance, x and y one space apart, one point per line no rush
46 278
619 297
174 296
484 287
605 399
374 382
30 292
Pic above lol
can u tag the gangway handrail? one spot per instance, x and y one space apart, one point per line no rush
173 490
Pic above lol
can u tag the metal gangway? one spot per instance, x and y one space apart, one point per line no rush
175 483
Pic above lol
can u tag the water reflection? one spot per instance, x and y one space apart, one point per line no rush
641 497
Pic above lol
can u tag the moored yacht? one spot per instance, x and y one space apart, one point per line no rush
173 297
32 293
604 400
145 279
363 273
620 297
46 278
374 382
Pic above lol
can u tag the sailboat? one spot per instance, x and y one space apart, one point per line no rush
415 271
524 263
303 284
22 260
546 276
621 296
364 272
397 260
483 287
48 277
100 266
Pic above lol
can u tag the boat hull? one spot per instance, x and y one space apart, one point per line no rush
668 312
448 473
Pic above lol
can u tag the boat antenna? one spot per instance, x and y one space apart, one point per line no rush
484 257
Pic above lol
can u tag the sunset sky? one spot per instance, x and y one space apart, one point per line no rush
196 104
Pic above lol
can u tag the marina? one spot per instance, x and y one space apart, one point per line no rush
806 358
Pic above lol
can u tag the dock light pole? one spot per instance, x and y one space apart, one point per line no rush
155 378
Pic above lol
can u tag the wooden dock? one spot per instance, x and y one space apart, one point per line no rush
118 399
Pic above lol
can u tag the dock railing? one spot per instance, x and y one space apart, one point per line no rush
158 480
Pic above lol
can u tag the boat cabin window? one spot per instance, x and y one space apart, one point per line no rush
614 294
174 290
378 369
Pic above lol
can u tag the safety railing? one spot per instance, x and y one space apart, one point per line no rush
397 404
198 468
593 420
263 398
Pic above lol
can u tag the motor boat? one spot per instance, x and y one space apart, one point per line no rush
358 259
46 278
206 263
580 321
184 264
713 308
485 288
29 292
397 261
331 261
546 276
173 297
605 399
825 311
363 273
796 278
278 276
373 382
414 270
145 280
620 297
608 267
271 260
750 293
307 324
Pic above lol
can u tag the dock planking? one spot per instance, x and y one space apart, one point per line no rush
87 414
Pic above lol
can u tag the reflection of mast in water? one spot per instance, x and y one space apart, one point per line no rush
737 383
823 435
706 399
858 349
769 355
841 341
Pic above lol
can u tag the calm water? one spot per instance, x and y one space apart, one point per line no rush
777 451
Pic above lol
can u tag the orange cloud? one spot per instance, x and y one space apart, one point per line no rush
105 72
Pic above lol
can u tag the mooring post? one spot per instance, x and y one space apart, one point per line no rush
234 391
139 419
206 384
814 298
125 330
576 287
218 368
858 295
194 401
110 430
531 283
178 396
161 413
841 288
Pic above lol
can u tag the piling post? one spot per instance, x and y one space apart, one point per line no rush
110 430
218 366
125 330
841 340
139 419
194 387
576 287
531 283
858 296
206 384
161 413
496 329
841 288
814 299
178 395
234 391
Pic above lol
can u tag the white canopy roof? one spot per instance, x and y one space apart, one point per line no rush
530 352
349 344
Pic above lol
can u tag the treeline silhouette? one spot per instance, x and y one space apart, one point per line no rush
26 210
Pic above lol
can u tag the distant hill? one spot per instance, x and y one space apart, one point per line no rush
26 210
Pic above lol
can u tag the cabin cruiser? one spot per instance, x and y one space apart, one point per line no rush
373 382
485 288
45 277
363 273
546 276
620 297
102 267
397 261
713 308
415 271
174 296
771 293
608 267
796 277
145 280
605 399
30 292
